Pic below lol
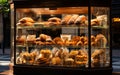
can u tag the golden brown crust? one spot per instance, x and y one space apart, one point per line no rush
56 61
66 19
101 40
95 22
72 19
25 21
54 21
73 54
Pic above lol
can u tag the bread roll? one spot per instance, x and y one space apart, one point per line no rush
73 54
69 62
26 21
46 53
31 39
101 40
81 19
66 19
72 19
95 22
56 61
98 57
54 21
81 60
21 39
80 43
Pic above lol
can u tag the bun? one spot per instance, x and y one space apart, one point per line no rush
98 57
69 62
73 54
101 40
44 37
31 39
72 19
58 41
70 43
66 19
81 20
54 21
26 21
81 60
95 22
46 53
76 38
92 38
42 61
21 39
56 61
25 58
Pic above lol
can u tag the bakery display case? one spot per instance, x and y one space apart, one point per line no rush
66 37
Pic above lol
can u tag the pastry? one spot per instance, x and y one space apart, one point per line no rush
56 61
81 20
31 39
95 22
44 37
92 38
72 19
70 43
85 43
79 43
73 54
101 40
42 61
39 43
93 43
83 39
25 58
26 21
81 60
62 53
76 38
66 19
98 57
46 53
69 62
54 21
21 39
58 41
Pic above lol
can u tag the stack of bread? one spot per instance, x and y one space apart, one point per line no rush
26 21
31 39
59 55
26 58
44 39
82 58
21 40
74 19
96 41
44 57
54 21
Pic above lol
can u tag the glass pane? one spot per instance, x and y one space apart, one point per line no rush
52 36
100 37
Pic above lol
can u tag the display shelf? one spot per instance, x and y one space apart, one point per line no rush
49 46
61 26
51 38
